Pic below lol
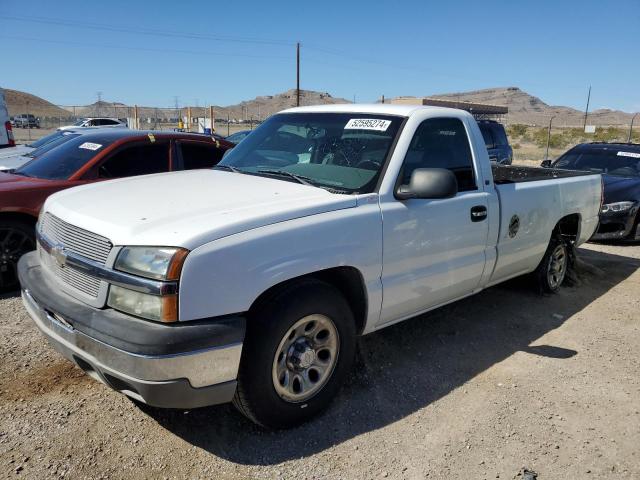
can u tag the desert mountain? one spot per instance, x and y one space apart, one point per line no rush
21 102
523 107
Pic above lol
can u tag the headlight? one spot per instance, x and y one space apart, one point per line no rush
159 263
151 307
617 207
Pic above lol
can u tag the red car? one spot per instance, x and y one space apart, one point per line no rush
89 157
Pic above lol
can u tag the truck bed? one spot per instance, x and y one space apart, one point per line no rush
516 174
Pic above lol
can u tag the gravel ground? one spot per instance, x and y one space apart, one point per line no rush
498 382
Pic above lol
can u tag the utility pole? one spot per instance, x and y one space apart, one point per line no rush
382 98
586 112
98 110
631 128
546 155
175 102
298 74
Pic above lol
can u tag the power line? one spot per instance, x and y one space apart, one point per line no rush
145 49
145 31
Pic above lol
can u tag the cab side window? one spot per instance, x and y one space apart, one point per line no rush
441 143
136 160
199 155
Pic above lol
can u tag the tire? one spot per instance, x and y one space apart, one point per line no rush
552 270
16 239
281 384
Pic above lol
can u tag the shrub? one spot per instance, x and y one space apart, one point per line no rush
517 130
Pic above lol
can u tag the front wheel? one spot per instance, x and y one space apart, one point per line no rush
16 239
554 265
299 348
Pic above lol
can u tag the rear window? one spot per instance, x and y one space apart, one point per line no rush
499 135
64 160
486 134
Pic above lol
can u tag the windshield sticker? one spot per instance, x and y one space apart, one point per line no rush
152 138
629 154
367 124
90 146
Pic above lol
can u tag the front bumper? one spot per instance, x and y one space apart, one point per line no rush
618 226
186 365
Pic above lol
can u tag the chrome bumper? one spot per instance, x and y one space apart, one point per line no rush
181 380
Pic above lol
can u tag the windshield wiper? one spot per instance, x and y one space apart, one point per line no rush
284 173
229 168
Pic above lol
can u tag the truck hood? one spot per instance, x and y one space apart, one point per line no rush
620 189
188 209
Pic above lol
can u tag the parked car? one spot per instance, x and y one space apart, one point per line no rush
619 164
87 158
495 138
14 157
95 122
251 281
6 127
26 120
238 136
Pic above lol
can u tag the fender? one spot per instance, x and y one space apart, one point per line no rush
227 275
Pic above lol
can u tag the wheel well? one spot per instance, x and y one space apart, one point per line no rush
348 280
19 217
568 227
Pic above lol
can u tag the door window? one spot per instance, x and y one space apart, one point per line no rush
441 143
199 155
136 160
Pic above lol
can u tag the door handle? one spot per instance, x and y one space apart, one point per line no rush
478 213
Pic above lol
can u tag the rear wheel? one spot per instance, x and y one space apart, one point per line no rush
16 239
297 352
552 270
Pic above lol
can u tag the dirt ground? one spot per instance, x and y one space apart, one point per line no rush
505 380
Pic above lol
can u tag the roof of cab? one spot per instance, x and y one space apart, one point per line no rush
374 108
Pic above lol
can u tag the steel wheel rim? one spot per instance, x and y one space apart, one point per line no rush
13 244
557 266
305 358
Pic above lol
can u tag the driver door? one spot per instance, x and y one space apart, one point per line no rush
434 249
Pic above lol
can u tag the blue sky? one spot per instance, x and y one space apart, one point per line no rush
224 52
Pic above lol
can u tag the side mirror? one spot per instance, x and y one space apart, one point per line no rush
546 163
429 183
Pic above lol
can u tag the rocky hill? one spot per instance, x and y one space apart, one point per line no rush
21 102
259 108
527 109
523 107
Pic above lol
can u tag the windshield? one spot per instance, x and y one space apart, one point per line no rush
63 160
342 152
46 139
79 122
611 161
51 145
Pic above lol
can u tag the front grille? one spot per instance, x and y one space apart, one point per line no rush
79 241
75 239
77 279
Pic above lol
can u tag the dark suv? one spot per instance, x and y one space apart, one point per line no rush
495 138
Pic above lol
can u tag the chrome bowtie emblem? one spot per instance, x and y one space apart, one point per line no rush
60 256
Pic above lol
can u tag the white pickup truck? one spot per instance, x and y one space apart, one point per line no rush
252 281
